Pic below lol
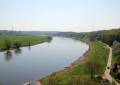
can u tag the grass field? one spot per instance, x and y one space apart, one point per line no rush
24 40
96 57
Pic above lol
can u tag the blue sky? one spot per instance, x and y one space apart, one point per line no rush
60 15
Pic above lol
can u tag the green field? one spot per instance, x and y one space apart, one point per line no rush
81 75
23 40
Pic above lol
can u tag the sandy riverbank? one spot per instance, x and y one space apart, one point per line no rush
81 59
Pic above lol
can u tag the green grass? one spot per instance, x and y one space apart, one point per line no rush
24 40
99 53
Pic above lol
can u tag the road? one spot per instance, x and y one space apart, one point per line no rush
37 83
107 71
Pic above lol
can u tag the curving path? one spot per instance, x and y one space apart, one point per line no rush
107 71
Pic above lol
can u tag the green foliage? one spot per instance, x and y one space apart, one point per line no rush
106 36
80 75
116 51
116 59
17 45
96 60
79 81
92 67
7 42
113 83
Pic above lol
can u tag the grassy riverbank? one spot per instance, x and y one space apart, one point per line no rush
84 73
23 40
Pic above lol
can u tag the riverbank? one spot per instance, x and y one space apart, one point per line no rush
82 58
80 72
22 40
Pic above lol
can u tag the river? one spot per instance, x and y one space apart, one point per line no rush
35 62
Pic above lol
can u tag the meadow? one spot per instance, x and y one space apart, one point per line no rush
23 40
84 73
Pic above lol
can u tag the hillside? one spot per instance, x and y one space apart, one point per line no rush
85 74
106 36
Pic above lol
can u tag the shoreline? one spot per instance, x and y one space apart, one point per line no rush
25 41
13 48
80 60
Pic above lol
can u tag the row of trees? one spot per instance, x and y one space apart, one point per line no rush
8 44
107 36
115 70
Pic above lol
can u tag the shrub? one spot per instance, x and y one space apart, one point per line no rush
7 44
17 45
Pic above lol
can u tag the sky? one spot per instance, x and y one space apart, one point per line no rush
59 15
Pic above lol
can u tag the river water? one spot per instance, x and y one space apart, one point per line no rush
35 62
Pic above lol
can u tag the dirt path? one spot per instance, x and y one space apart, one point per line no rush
107 71
37 83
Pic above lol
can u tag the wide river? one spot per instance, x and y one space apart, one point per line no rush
35 62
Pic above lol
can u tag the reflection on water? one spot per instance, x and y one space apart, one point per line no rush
35 62
17 51
8 55
29 47
50 39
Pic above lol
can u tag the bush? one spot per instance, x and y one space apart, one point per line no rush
7 44
17 45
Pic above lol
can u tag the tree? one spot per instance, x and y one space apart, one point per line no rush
92 67
7 44
17 45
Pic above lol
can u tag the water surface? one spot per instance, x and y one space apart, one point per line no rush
18 66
